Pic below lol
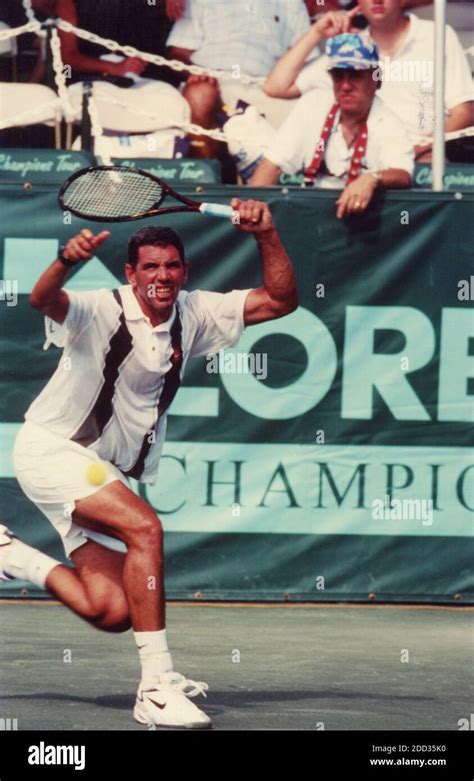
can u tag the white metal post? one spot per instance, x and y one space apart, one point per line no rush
439 81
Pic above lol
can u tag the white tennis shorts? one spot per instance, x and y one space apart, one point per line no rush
51 471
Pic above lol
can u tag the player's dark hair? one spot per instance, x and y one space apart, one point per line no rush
153 237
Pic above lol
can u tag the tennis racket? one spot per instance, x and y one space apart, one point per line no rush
115 193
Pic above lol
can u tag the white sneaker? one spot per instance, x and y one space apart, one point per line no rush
6 538
184 685
164 706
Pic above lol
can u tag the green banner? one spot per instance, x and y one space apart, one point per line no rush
327 455
175 171
41 165
51 166
458 176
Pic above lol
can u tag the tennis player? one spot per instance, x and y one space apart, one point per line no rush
102 418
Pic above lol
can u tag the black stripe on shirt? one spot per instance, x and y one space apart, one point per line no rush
168 392
119 347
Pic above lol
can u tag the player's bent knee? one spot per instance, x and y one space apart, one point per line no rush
147 531
114 624
115 618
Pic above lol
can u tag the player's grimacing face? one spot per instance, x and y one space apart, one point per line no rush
158 277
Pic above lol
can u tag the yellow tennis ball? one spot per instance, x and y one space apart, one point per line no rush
96 473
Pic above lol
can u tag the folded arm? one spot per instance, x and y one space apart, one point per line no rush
460 116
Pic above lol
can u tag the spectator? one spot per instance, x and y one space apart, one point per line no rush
245 38
406 45
70 51
148 32
87 62
355 143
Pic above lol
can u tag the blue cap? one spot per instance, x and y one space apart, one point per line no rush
352 50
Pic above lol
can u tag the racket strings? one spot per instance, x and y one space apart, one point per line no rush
112 194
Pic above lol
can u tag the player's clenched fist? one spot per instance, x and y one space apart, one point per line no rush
83 246
252 216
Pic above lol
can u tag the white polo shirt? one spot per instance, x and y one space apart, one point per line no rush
407 86
250 34
101 365
296 141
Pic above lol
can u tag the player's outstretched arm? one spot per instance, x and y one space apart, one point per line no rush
47 295
278 296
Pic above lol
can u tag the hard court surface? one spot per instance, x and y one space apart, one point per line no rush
332 667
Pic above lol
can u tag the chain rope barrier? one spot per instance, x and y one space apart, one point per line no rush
30 27
30 15
96 128
28 8
60 77
156 59
33 25
188 127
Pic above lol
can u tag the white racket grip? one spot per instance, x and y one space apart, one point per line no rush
217 210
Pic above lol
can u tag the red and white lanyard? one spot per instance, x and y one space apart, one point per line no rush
360 146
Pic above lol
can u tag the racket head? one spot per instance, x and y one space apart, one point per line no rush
112 193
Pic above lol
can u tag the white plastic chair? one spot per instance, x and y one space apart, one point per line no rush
29 104
160 106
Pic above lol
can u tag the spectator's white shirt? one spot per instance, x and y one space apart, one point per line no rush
247 34
407 87
295 144
101 362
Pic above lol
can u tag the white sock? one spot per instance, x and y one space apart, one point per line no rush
155 658
23 561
